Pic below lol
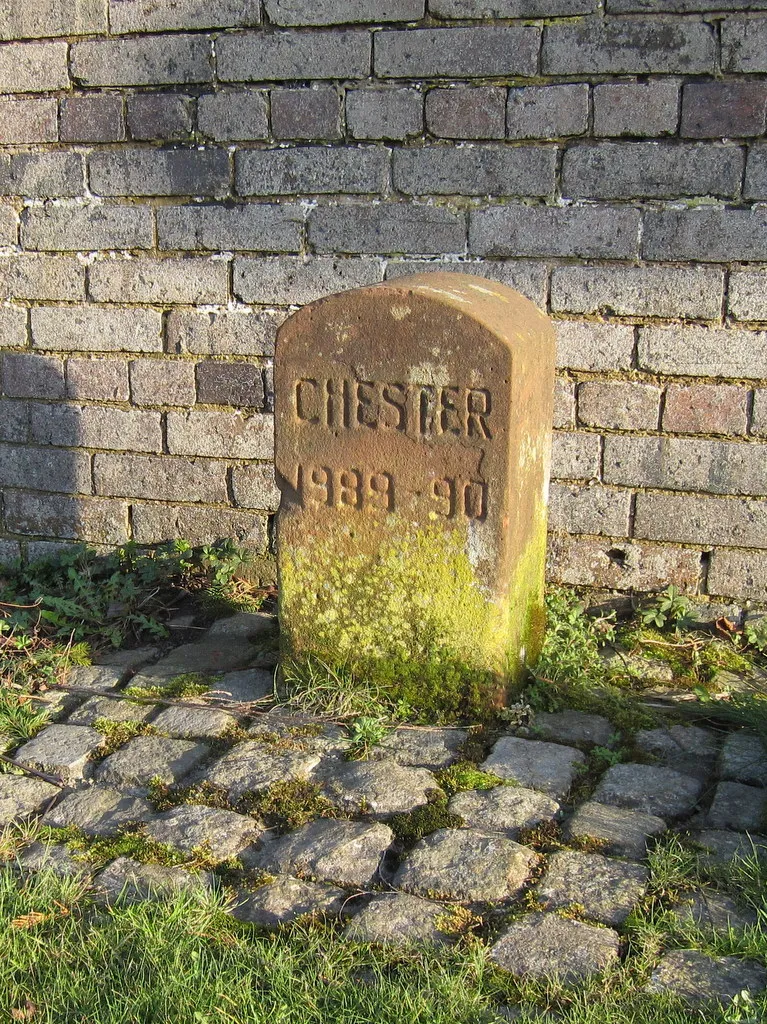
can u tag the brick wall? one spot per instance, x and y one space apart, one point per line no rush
174 176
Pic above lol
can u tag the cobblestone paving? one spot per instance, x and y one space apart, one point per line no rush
199 780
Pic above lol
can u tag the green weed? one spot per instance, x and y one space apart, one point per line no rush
288 804
20 717
464 775
364 734
411 827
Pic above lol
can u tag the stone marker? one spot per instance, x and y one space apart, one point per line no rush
412 451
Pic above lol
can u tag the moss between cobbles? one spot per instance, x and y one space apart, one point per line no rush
188 684
116 735
422 821
128 842
288 804
549 838
464 775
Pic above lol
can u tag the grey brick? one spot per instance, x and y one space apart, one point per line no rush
630 170
149 16
154 523
547 111
476 52
47 278
160 172
148 476
230 333
85 228
160 280
235 384
696 520
255 227
88 329
254 486
384 113
475 170
586 231
261 57
510 8
585 562
94 426
162 382
703 351
339 12
92 117
42 175
527 278
25 120
636 108
159 116
29 375
705 409
467 112
310 113
8 224
224 435
592 46
681 6
33 67
706 235
234 114
682 464
99 520
638 291
14 421
719 109
564 404
45 469
296 280
13 328
52 18
149 60
619 405
311 169
387 228
593 346
98 380
756 173
741 574
10 551
575 456
595 510
744 44
747 295
759 425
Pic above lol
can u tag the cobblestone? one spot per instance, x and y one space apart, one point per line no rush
621 832
606 889
98 811
545 945
286 899
641 787
146 758
505 809
398 919
537 765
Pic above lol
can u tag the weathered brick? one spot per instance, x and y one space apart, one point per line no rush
547 111
593 46
636 108
310 113
52 18
510 8
160 172
703 351
716 109
679 6
630 170
388 227
564 404
624 565
638 291
88 329
92 117
619 405
166 477
94 426
686 464
590 346
747 295
705 235
100 520
10 551
14 421
237 384
741 574
467 112
755 186
339 12
42 175
160 116
296 280
278 56
29 375
25 120
162 382
146 60
13 328
384 113
33 67
159 280
759 423
45 469
595 510
475 170
705 409
154 523
231 333
8 224
256 227
98 380
150 16
224 435
696 520
45 278
744 44
311 169
575 456
477 52
527 278
586 231
254 486
85 228
234 114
